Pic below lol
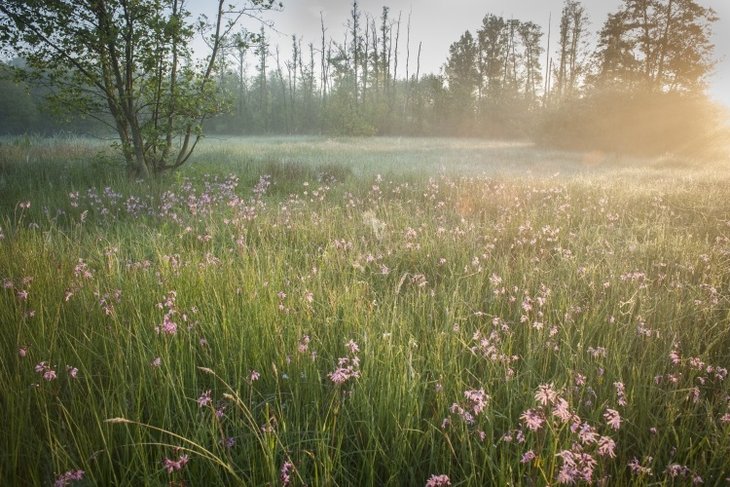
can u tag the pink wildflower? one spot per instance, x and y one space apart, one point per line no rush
204 399
694 394
674 357
22 352
546 394
562 410
676 470
46 370
168 326
175 465
576 466
73 372
66 478
528 457
621 393
285 473
638 469
303 344
532 419
606 447
254 376
613 418
465 415
352 347
438 481
477 400
587 434
343 374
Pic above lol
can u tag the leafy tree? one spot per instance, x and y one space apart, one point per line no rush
493 43
462 76
657 45
129 63
614 55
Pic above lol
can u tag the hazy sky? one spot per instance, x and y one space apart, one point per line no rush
437 24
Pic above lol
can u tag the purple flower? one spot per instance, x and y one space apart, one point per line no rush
285 473
546 394
46 370
528 457
613 418
674 357
343 374
175 465
303 344
477 400
254 376
532 419
204 399
168 326
562 410
66 478
587 434
352 347
637 468
73 372
606 447
438 481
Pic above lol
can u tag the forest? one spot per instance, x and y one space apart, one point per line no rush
637 85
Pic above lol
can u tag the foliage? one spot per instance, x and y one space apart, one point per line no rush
128 64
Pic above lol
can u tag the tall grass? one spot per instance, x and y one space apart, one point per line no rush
363 312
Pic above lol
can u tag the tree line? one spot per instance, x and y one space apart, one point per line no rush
638 84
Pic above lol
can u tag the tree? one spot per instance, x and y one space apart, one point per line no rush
573 23
614 56
493 41
530 37
658 45
462 76
129 63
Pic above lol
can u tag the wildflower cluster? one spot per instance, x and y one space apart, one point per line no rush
348 367
68 478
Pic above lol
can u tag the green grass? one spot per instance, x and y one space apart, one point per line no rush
455 265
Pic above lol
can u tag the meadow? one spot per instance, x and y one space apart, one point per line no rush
404 312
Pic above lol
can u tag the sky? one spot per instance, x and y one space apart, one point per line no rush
437 24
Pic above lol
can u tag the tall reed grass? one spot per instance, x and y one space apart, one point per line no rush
363 312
